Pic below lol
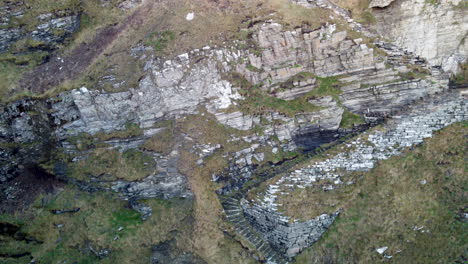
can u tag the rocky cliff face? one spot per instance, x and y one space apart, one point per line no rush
281 93
370 84
426 29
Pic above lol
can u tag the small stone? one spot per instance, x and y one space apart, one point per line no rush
381 250
190 16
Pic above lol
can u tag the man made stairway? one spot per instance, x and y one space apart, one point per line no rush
276 236
235 214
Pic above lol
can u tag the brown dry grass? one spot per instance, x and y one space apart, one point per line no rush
356 7
385 205
208 239
294 15
162 142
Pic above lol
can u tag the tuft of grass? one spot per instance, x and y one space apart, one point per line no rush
252 68
462 5
327 86
85 141
349 119
131 130
162 142
415 72
367 18
160 40
288 84
109 164
256 101
433 2
461 79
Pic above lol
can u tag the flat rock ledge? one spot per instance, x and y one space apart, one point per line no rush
380 3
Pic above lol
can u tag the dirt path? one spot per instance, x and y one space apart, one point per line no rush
59 69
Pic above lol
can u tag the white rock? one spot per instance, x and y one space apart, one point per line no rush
84 89
381 250
190 16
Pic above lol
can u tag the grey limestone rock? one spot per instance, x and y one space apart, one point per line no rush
380 3
428 30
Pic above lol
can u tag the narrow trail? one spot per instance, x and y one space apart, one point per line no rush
59 69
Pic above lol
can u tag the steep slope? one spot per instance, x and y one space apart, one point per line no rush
203 118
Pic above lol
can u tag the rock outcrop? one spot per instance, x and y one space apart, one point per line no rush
380 3
51 29
427 29
402 132
284 64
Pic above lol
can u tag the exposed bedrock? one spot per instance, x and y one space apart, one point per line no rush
50 30
290 236
426 29
368 84
173 88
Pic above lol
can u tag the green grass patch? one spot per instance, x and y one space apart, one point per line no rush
163 142
109 164
433 2
66 238
415 72
289 84
349 119
257 101
462 77
85 141
367 18
252 68
160 40
386 204
327 86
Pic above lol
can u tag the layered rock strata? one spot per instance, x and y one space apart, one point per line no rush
426 29
401 132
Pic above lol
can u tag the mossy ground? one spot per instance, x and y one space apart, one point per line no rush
69 237
108 165
25 54
257 101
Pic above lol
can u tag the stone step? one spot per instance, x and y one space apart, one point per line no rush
231 207
231 203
